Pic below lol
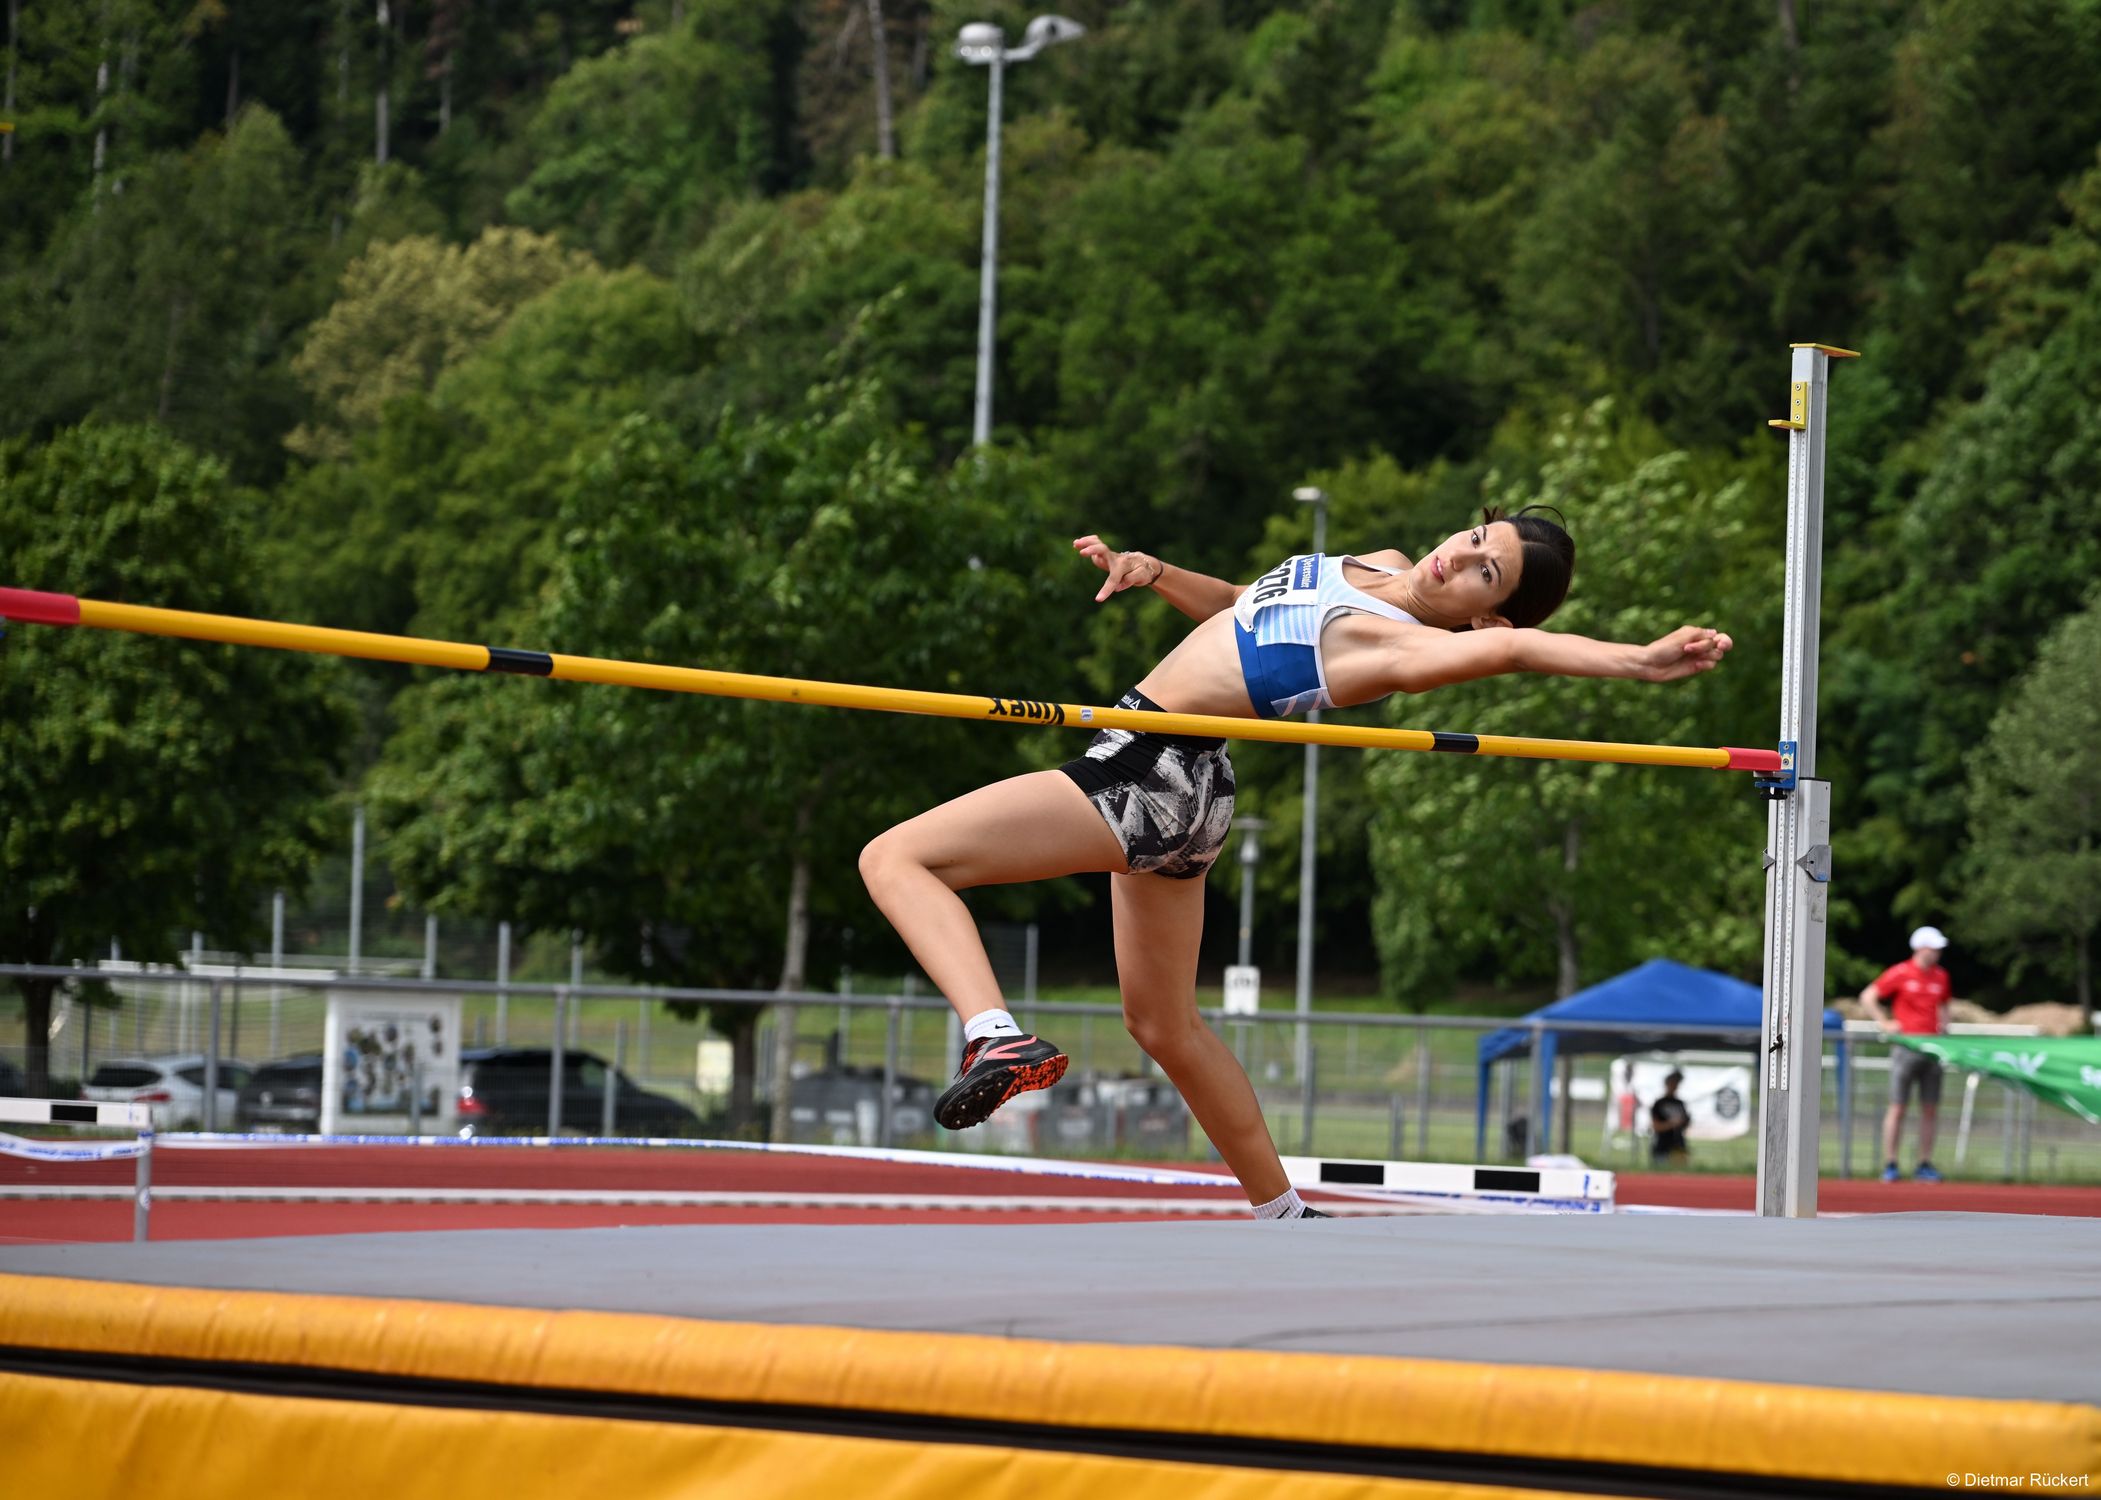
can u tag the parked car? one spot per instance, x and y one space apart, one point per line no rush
504 1091
172 1086
284 1095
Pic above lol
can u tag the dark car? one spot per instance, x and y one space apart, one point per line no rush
282 1096
504 1091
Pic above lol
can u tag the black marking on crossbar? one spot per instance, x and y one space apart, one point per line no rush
75 1114
524 663
1362 1173
1461 744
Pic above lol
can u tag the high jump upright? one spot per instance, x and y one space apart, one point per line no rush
1798 827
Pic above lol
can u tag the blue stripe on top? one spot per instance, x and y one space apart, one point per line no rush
1278 622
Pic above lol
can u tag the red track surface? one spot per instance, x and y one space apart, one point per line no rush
349 1169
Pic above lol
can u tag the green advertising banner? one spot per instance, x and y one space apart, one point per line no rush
2065 1070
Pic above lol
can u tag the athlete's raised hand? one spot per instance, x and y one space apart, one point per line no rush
1126 570
1685 651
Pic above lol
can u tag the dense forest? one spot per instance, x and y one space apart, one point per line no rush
648 330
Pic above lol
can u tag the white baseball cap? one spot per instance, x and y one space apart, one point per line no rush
1928 937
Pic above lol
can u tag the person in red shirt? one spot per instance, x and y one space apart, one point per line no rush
1918 992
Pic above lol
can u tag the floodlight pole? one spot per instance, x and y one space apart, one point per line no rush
983 44
988 262
1798 828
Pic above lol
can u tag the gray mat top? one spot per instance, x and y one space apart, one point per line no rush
1951 1304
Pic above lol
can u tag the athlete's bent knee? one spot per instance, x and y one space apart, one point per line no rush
1160 1035
881 861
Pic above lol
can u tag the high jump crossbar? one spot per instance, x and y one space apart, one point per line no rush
32 607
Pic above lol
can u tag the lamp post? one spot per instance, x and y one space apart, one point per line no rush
982 44
1309 822
1250 856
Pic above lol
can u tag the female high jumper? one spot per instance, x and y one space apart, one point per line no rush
1152 810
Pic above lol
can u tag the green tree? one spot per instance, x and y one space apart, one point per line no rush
696 840
633 151
1193 364
152 786
878 280
1952 589
173 301
1989 115
2032 886
406 311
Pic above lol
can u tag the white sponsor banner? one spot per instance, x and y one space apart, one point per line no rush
1717 1096
1243 989
380 1051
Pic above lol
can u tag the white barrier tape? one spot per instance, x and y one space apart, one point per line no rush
1024 1165
32 1150
1423 1185
1235 1207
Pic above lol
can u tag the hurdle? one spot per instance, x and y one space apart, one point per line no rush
137 1117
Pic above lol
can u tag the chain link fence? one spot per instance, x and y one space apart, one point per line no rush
607 1059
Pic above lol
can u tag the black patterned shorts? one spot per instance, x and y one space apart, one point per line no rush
1167 798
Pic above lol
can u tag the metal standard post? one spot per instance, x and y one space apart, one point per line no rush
211 1063
1535 1119
1849 1065
885 1126
1798 828
1423 1066
430 946
607 1111
988 268
277 963
142 1192
554 1060
357 885
503 979
1306 1106
576 982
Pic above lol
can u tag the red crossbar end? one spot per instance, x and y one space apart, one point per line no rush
1752 760
39 609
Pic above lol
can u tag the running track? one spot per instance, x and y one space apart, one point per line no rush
822 1191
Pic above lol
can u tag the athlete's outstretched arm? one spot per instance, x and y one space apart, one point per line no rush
1425 659
1197 595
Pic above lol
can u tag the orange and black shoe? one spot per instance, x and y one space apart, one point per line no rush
994 1070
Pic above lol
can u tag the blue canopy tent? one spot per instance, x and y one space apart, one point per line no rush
1661 1004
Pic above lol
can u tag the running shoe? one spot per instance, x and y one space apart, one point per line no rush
1314 1213
994 1070
1890 1173
1927 1172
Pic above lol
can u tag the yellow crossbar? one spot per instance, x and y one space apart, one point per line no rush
63 609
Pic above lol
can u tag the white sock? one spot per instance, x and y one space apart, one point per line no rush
989 1023
1286 1207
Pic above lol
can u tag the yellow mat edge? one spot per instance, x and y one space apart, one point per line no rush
1577 1415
